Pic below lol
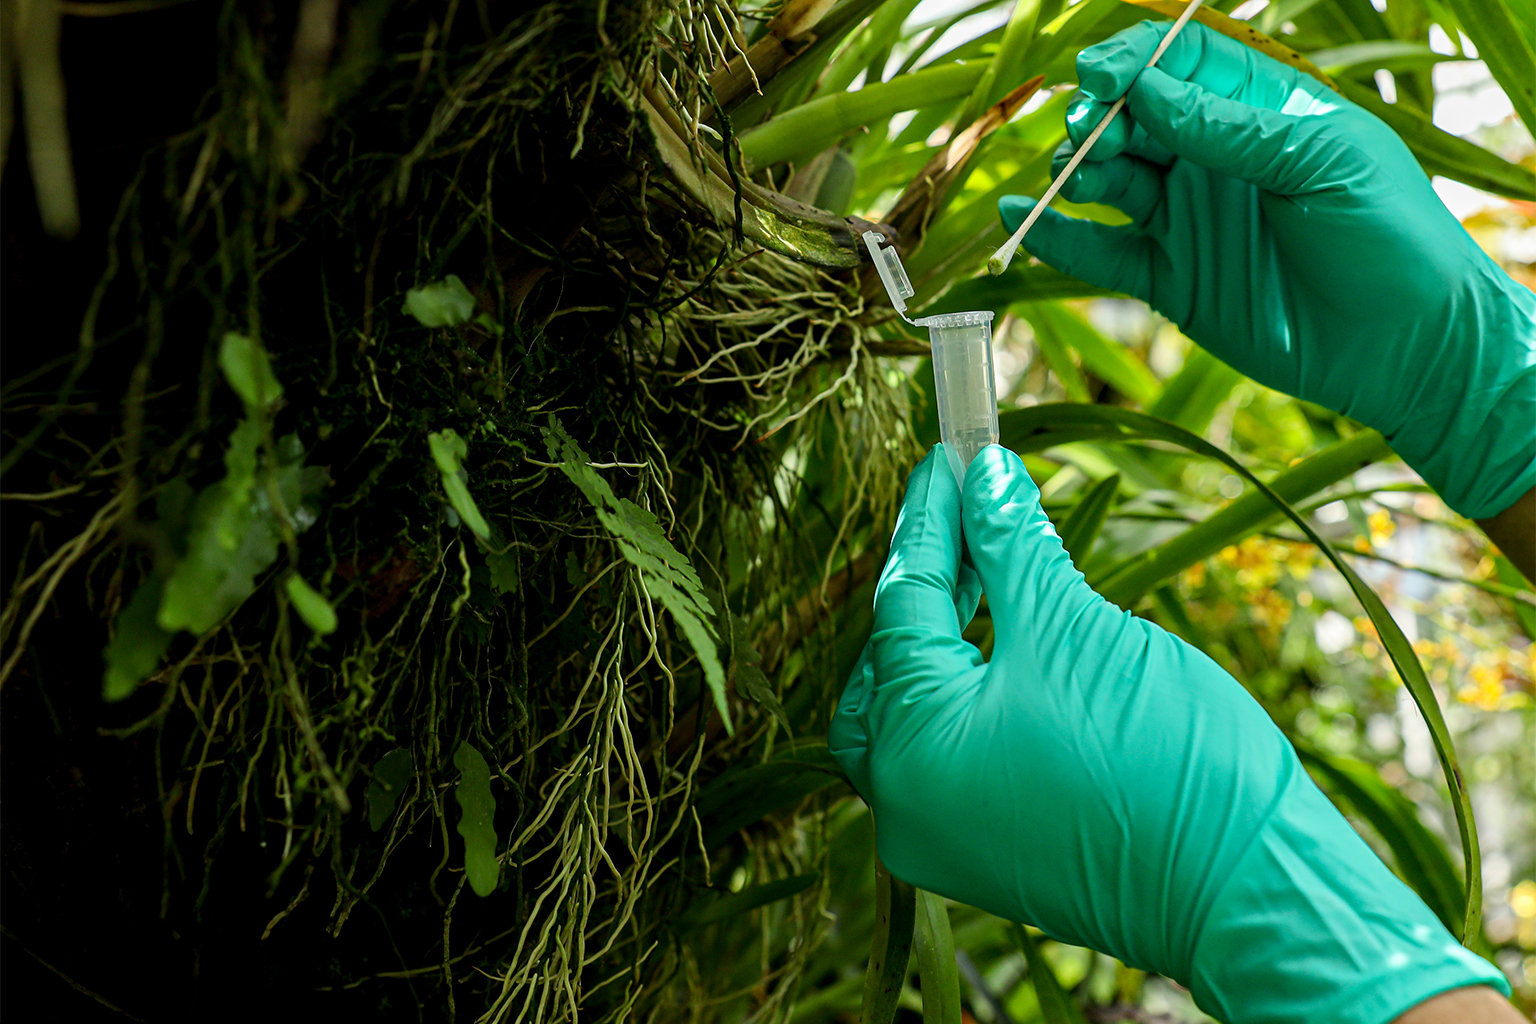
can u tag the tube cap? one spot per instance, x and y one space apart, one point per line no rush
892 274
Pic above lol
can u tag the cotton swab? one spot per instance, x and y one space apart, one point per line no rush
1004 255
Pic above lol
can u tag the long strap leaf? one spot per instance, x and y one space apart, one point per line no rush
1081 526
891 950
811 127
1126 585
1055 1005
937 969
1503 37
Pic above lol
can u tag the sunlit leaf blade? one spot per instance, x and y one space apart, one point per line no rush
883 30
1501 31
890 949
808 129
477 817
1055 1005
1191 396
1375 53
1017 35
936 967
1440 152
1058 356
787 83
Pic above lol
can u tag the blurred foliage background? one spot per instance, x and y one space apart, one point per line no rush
471 435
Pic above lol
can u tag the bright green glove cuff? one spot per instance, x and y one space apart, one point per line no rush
1293 235
1311 927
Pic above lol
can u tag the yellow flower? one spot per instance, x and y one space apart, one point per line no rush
1299 559
1486 690
1382 526
1269 608
1426 649
1256 560
1194 576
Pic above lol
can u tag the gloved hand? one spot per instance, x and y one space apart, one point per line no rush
1293 235
1104 781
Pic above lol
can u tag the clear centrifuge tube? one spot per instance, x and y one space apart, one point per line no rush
962 364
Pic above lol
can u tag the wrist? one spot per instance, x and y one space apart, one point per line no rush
1474 1005
1310 925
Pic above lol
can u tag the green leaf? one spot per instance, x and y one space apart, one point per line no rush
477 819
1419 856
1191 396
1440 152
665 573
749 679
884 29
936 967
138 643
246 367
504 569
891 948
1503 35
1514 579
1054 348
1017 35
1108 360
794 81
737 903
314 609
1082 525
808 129
448 451
441 304
1375 53
391 776
232 538
1019 283
1055 1005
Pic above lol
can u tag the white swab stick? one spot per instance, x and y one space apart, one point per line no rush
1004 255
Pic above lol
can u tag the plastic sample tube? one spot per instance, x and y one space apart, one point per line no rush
962 364
964 383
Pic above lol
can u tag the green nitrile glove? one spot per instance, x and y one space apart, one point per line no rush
1106 782
1292 234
